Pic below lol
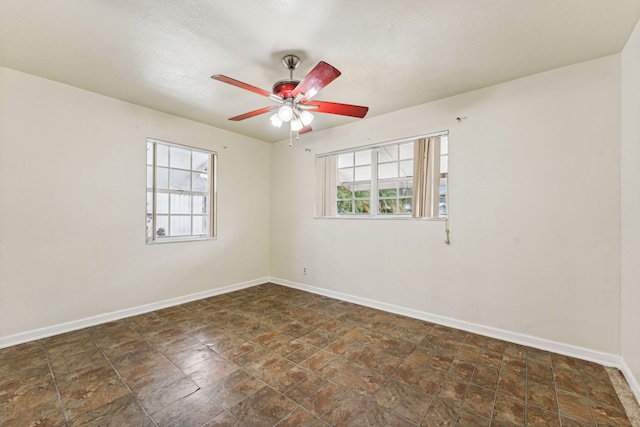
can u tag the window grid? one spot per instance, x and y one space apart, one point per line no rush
399 200
167 222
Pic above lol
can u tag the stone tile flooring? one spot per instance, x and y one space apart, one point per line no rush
270 355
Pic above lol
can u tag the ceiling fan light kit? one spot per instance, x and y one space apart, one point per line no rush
306 117
295 97
285 113
275 120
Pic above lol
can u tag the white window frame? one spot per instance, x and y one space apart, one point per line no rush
374 182
152 189
353 199
399 180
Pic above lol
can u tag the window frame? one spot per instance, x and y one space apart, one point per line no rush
398 180
210 194
374 182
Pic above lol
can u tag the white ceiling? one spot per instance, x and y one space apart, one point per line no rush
392 54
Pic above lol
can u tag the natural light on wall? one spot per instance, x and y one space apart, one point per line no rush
405 178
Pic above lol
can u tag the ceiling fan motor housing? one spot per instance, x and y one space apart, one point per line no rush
285 87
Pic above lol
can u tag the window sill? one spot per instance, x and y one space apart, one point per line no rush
381 217
179 240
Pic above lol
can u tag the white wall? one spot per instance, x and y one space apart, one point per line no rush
630 323
72 207
534 211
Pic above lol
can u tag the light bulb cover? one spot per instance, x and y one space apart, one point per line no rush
306 117
296 125
285 113
275 120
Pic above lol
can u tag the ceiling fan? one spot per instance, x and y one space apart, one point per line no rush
294 97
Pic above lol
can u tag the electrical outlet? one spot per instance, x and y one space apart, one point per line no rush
304 271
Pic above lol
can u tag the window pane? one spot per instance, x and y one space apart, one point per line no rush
443 186
345 160
387 206
180 225
179 180
363 173
444 164
180 203
388 185
406 168
179 158
199 181
200 161
406 151
200 204
344 192
444 145
162 202
405 206
405 191
442 207
345 175
162 225
199 225
362 206
149 153
362 191
163 154
388 170
148 228
389 192
149 202
388 153
363 157
162 178
344 207
149 176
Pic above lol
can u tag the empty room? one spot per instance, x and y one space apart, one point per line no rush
333 213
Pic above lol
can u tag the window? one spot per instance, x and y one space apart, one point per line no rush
444 173
403 178
395 179
354 177
180 192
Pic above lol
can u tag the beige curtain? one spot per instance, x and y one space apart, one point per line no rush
326 185
426 177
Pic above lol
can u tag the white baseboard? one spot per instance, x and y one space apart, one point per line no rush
61 328
606 359
631 379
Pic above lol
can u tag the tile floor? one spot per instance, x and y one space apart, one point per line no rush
271 355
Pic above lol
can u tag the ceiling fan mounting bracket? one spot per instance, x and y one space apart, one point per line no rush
291 62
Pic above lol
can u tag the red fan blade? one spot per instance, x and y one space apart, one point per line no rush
319 77
335 108
253 113
305 129
241 85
